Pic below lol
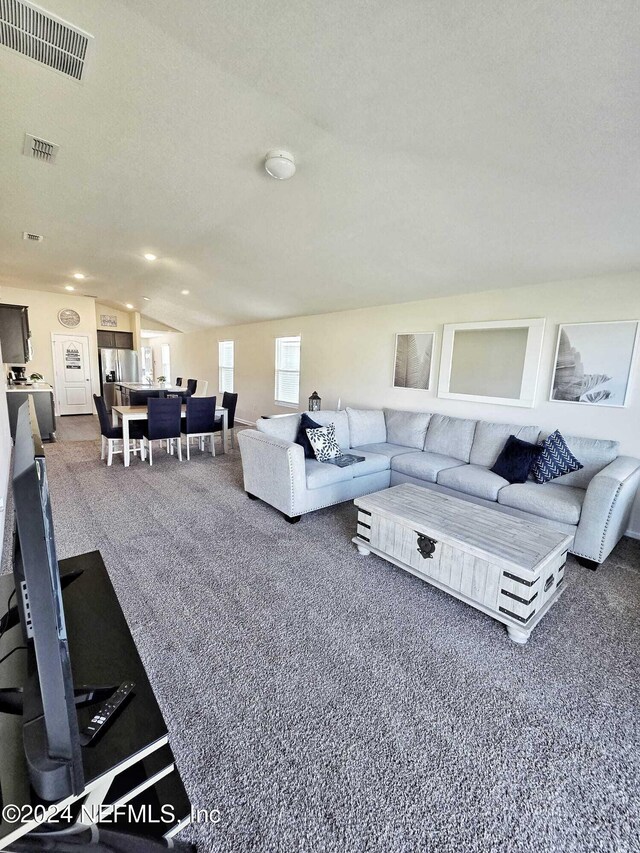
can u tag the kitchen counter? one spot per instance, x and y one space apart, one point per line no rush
29 388
156 386
44 403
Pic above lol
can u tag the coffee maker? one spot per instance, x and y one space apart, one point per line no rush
18 372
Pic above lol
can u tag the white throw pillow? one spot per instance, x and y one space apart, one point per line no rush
323 441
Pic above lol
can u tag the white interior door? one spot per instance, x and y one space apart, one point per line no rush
72 368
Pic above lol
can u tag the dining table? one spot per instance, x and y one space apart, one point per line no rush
126 414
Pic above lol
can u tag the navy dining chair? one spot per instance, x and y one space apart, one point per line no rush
139 398
192 384
200 422
229 402
163 424
179 382
112 440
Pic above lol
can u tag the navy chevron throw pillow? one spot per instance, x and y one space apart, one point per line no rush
554 460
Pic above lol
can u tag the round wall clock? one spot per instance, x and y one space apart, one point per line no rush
69 318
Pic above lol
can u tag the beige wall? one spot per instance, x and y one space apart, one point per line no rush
349 355
124 318
43 321
193 356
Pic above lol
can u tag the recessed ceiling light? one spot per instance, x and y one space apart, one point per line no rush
69 287
79 275
146 299
150 257
184 292
129 306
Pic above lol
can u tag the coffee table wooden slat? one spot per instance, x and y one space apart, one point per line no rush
507 567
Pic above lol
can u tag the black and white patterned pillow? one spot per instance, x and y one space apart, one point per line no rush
554 460
323 441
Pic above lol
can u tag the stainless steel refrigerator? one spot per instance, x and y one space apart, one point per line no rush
116 365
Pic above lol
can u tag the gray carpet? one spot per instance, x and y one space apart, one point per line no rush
325 701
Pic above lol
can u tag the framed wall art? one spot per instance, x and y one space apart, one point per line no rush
413 360
593 363
491 362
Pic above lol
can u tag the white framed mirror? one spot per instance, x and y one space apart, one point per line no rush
491 362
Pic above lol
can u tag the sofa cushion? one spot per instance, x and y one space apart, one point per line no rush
325 417
373 463
407 428
302 438
423 465
473 480
489 440
384 448
366 426
321 474
450 436
550 500
280 426
593 453
516 459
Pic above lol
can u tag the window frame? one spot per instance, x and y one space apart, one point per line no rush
289 404
165 366
225 367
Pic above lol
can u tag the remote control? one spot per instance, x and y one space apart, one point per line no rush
101 718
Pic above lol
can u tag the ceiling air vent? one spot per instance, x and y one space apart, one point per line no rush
44 37
34 238
39 149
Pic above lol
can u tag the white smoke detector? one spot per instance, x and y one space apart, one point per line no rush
280 164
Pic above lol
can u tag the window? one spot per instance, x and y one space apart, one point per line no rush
288 371
165 359
147 364
225 366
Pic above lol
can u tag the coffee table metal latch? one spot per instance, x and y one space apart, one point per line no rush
426 546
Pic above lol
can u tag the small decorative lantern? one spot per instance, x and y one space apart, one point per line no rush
314 402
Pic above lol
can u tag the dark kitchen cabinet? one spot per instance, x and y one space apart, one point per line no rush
106 340
123 340
14 334
115 340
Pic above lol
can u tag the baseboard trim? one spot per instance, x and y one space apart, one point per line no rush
633 534
247 423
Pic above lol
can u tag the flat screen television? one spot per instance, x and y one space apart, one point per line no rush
50 723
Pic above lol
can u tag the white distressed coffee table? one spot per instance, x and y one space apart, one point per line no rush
508 568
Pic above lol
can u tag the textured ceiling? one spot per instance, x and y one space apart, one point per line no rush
442 147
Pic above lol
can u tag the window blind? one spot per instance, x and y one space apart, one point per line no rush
225 366
288 370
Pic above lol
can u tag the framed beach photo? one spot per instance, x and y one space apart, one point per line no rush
593 363
413 360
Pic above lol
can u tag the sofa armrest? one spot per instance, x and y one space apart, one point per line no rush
273 470
606 509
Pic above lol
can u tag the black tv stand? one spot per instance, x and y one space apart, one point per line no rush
131 762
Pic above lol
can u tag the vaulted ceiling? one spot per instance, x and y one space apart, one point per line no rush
442 147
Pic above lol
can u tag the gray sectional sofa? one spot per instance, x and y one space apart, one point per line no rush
447 454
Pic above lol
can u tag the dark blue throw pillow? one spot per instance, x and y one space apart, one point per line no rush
516 459
302 439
